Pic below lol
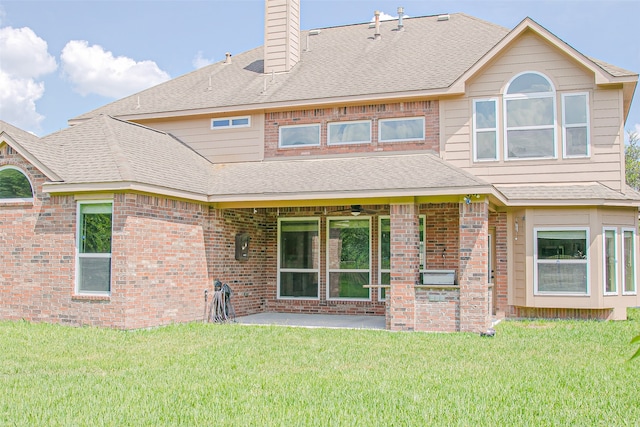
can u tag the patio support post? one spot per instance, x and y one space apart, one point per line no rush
405 266
475 297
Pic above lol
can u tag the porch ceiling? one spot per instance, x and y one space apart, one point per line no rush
372 176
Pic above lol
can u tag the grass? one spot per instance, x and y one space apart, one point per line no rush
542 373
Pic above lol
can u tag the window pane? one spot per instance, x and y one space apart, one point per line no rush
576 141
561 244
220 123
299 284
530 143
94 274
610 261
349 244
405 129
530 112
95 229
299 244
243 121
486 147
299 135
575 109
529 83
485 114
629 262
562 277
349 133
385 244
14 185
348 285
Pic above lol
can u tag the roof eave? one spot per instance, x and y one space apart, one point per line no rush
121 186
48 172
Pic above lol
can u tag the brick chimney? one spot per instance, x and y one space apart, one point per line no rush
281 35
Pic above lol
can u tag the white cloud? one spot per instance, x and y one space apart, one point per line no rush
199 61
24 59
91 69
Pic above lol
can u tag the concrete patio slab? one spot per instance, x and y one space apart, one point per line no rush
314 320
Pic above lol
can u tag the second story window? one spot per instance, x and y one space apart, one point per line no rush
358 132
530 125
575 124
485 129
399 130
299 135
231 122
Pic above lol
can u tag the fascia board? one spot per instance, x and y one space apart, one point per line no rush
123 186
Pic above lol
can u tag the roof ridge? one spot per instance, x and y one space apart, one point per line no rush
121 160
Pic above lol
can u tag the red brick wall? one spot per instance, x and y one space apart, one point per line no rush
438 309
498 220
427 109
475 301
159 263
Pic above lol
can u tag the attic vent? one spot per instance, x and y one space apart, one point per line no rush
314 32
444 17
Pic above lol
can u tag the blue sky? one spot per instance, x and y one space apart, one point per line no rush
59 59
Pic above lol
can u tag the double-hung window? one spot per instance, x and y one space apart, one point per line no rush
384 252
298 258
629 261
575 124
348 258
485 130
93 260
561 261
530 123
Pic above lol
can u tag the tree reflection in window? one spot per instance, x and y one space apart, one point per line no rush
14 185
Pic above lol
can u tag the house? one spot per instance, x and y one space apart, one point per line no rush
437 170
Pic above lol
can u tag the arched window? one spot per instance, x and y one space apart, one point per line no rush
14 185
530 117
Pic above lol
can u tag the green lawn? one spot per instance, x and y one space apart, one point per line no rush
543 373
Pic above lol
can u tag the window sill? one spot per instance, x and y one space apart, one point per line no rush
16 203
91 298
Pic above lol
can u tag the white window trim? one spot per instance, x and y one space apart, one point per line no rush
297 270
317 125
421 118
354 270
476 130
604 260
575 125
624 262
79 204
18 200
423 250
230 120
534 95
329 125
586 261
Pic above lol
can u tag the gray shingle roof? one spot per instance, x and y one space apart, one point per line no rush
592 191
339 62
105 149
416 174
34 146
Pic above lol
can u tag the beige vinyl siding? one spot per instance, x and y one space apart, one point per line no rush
219 145
282 35
517 263
531 53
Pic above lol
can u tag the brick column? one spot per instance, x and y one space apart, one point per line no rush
475 314
405 267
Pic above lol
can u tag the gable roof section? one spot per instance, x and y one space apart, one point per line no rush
380 175
340 64
111 154
605 74
31 148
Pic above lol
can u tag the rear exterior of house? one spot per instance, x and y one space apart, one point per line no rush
350 181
